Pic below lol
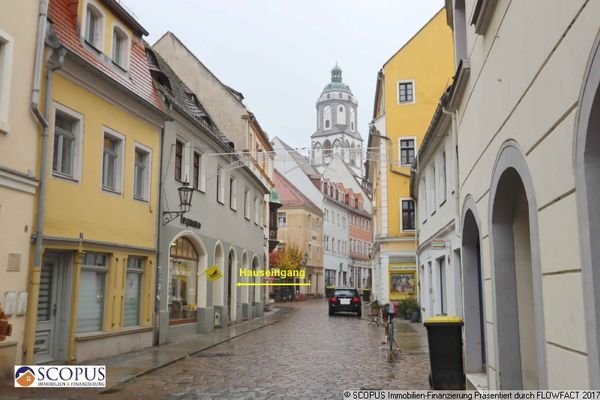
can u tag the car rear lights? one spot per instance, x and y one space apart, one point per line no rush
332 300
356 299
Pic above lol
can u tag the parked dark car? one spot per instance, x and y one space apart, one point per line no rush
345 299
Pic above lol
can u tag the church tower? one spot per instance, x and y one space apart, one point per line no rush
337 134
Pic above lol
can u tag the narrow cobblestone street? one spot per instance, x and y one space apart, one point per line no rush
306 355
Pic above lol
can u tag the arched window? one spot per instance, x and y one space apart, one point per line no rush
94 26
318 154
120 47
352 119
337 148
326 150
183 284
341 115
327 117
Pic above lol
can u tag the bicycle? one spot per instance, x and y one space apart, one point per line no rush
390 342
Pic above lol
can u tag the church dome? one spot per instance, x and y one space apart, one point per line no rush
336 83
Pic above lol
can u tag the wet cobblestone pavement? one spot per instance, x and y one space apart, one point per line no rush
306 355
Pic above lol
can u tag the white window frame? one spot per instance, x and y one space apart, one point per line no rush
233 192
119 174
140 273
256 210
281 214
78 151
403 199
96 268
99 45
247 203
443 178
400 139
220 185
126 46
147 172
202 177
423 199
431 190
6 62
414 99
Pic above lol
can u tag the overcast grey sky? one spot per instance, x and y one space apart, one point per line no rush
279 53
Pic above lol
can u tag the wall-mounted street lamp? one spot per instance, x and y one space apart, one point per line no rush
185 203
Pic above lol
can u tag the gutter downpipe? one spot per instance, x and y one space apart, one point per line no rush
42 119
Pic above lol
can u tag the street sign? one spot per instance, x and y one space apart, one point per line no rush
438 244
213 273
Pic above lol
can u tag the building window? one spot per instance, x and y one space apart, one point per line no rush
111 162
183 280
327 117
407 151
93 27
6 54
408 215
220 188
232 193
133 291
433 190
443 183
141 174
178 160
423 199
66 131
247 204
256 211
406 92
120 44
281 219
196 180
92 287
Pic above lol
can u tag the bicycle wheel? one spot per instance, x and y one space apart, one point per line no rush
390 341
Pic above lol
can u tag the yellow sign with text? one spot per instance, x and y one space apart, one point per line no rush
213 273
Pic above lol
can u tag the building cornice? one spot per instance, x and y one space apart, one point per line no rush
16 180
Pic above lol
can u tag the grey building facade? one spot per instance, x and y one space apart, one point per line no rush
223 228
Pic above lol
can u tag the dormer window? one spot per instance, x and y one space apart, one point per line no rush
120 45
93 27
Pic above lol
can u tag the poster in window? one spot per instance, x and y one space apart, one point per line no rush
402 285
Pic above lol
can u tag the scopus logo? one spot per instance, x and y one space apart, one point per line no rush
92 376
24 376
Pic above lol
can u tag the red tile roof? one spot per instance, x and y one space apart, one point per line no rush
137 80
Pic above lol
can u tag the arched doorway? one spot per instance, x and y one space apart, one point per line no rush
587 174
516 275
183 281
473 292
253 290
231 285
217 285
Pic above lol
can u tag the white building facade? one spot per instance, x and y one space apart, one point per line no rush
435 188
526 107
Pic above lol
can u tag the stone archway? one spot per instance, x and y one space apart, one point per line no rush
516 271
473 290
587 184
217 285
232 295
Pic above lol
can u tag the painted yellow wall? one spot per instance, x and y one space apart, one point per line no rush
428 60
83 207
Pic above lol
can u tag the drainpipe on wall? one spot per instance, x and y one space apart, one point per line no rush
34 276
453 116
157 282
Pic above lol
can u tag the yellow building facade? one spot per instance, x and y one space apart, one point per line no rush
92 293
407 90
